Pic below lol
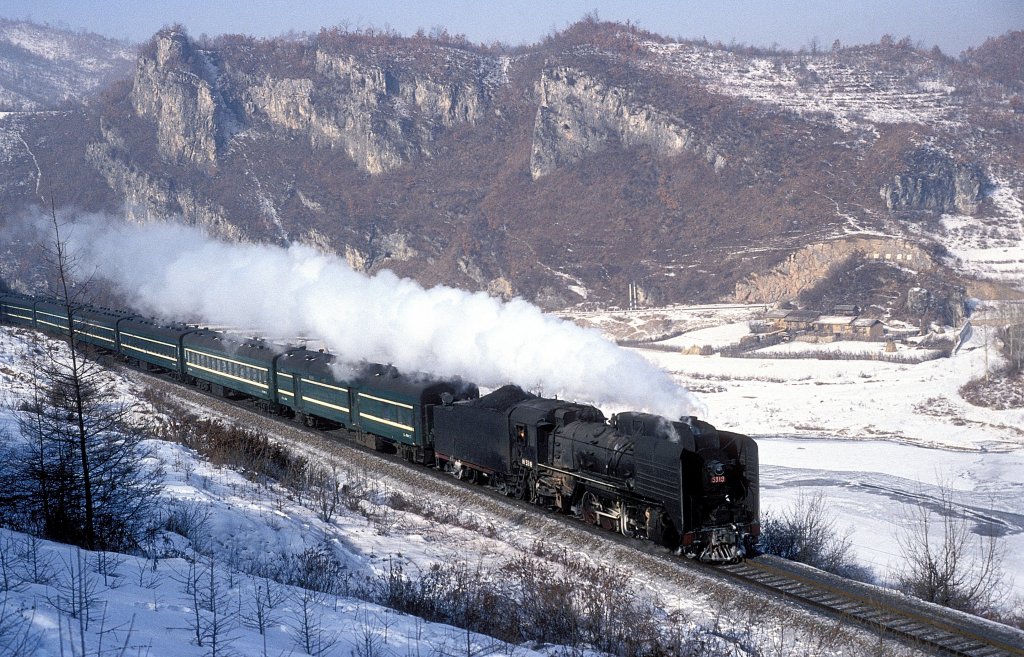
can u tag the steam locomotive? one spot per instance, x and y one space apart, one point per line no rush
683 484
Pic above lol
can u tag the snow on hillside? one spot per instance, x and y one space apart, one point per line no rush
847 88
43 66
146 605
989 247
59 45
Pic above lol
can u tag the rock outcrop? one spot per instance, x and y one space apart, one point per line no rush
146 198
176 88
935 182
381 116
579 115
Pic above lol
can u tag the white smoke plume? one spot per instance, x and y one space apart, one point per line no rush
177 272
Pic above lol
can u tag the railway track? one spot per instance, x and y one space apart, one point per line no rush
932 628
929 628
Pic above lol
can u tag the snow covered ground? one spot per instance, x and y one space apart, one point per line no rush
877 439
989 247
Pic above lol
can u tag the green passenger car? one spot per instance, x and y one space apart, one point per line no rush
52 317
17 309
97 326
392 410
154 343
307 384
229 363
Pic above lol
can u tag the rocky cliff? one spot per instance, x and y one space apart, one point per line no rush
934 182
380 116
177 89
578 116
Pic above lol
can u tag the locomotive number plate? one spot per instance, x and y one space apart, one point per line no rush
718 479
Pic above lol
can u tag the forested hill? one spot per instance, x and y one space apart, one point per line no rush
566 170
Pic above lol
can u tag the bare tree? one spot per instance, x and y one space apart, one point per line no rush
262 604
74 381
77 474
944 561
308 623
211 620
1012 335
17 636
76 598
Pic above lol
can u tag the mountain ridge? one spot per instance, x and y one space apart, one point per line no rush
564 171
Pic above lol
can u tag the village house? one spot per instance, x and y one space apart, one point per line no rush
800 320
866 328
834 327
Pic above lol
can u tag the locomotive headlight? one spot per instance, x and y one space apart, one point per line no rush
716 472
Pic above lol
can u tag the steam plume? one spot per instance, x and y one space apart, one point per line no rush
177 272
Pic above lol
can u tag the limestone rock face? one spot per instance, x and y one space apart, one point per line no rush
381 116
148 198
579 115
934 182
380 112
177 89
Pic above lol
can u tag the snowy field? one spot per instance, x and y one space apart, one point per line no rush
877 439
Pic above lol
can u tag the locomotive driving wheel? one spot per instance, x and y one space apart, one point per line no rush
589 507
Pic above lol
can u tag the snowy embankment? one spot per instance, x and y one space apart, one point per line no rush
879 440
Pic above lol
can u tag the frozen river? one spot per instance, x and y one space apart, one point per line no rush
876 487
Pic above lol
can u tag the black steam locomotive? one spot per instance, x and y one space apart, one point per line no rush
682 484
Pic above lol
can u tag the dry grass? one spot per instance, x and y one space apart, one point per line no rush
999 391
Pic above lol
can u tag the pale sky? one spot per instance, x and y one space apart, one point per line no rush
953 25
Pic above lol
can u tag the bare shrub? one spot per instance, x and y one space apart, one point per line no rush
572 604
946 562
250 451
324 489
913 358
806 533
190 520
316 568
